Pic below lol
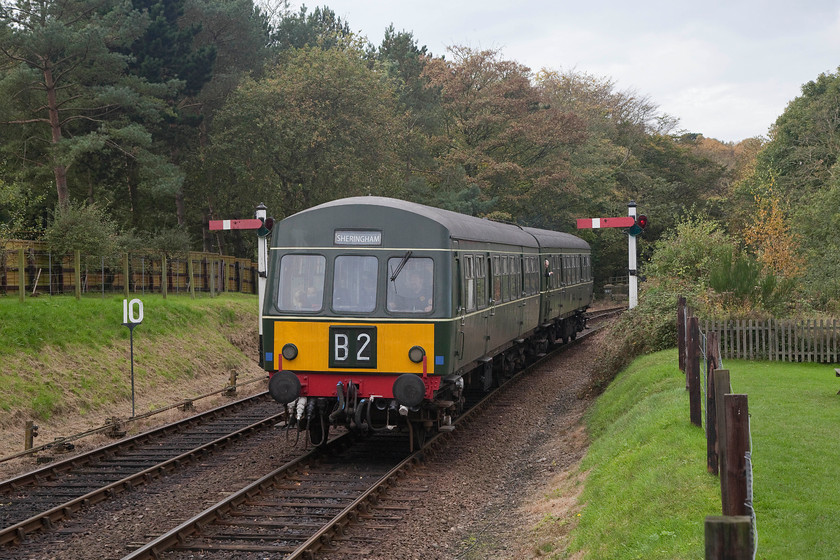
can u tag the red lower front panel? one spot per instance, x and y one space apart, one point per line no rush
379 385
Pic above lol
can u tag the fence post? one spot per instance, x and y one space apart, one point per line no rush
190 271
164 276
733 480
77 273
713 362
211 268
21 276
681 332
728 537
692 368
126 278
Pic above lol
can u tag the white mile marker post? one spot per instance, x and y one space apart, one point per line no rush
131 320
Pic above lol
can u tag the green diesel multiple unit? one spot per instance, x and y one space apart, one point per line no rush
378 312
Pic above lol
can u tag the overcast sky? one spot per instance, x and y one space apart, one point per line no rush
726 69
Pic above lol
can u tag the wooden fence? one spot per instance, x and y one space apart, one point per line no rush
800 340
32 270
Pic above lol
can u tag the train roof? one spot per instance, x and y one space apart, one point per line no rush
407 217
555 239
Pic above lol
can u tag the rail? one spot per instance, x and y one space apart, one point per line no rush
113 425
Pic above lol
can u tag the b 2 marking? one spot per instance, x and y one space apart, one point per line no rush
352 347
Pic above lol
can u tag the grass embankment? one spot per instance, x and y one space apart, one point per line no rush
647 492
60 355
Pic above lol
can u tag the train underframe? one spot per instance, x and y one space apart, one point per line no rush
415 408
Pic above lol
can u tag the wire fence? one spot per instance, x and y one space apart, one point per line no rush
30 271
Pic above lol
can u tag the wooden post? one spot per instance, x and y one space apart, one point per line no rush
29 434
713 362
728 538
212 269
191 273
126 278
21 276
681 331
692 368
733 480
164 276
77 273
721 388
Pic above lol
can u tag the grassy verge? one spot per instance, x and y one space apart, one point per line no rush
647 492
58 354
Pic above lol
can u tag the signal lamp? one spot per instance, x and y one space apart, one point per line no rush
265 229
636 228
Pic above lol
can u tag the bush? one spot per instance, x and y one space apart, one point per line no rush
649 327
84 228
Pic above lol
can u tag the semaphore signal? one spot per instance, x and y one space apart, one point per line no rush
635 226
263 225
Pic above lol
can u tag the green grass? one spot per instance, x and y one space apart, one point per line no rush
647 493
57 352
794 421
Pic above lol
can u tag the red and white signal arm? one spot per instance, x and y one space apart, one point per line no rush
253 223
596 223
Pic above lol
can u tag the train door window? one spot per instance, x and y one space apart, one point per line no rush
410 284
560 270
301 283
576 263
530 267
354 283
480 281
469 282
517 276
497 280
567 270
505 278
587 269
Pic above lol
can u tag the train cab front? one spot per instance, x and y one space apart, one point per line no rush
352 341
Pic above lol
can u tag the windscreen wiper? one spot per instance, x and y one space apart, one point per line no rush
400 266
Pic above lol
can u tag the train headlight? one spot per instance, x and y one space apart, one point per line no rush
289 351
416 354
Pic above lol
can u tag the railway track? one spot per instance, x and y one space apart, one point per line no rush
313 500
37 500
304 508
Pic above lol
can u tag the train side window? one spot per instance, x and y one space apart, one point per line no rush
469 281
410 284
301 283
354 283
480 281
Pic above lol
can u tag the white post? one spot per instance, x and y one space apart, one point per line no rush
633 285
262 259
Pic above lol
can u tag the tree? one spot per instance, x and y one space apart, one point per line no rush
509 142
64 79
316 128
322 28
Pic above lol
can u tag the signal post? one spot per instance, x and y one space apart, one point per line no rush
634 224
263 225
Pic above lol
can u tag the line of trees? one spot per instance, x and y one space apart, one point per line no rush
158 115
